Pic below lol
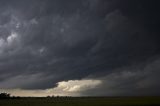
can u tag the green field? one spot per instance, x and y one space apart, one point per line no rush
83 101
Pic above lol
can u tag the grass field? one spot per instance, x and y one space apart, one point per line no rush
83 101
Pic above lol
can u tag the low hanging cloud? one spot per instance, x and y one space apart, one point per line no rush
57 45
130 81
64 88
78 85
127 81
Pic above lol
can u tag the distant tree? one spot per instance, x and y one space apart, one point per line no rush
48 96
4 95
15 97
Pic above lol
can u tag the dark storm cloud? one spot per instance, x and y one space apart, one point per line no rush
128 81
44 42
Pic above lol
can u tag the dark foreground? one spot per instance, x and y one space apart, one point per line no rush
83 101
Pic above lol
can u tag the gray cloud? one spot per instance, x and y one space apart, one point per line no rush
51 41
128 81
135 80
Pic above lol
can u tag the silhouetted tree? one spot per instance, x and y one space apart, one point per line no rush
48 96
4 95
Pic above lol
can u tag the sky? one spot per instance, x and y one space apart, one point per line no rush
80 47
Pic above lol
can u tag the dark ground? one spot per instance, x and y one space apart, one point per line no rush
82 101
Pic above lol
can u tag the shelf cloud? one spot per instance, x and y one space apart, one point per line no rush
79 47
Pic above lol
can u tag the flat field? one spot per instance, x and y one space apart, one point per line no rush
82 101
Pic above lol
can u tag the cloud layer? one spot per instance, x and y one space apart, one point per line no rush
113 43
64 88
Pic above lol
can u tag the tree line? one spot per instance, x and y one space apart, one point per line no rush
8 96
4 95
